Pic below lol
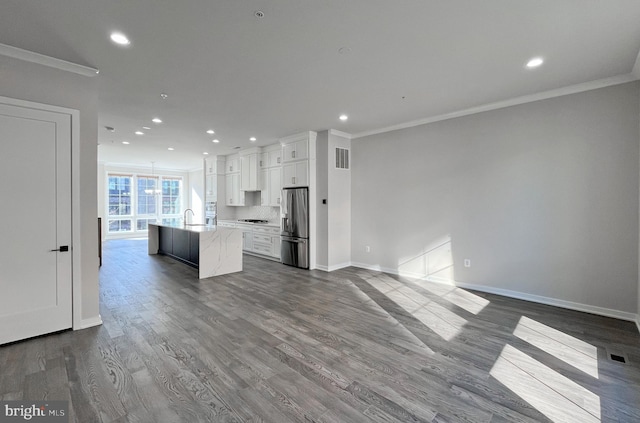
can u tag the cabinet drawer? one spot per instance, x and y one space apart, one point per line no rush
262 249
266 230
263 239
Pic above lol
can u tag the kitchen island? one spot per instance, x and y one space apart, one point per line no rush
213 250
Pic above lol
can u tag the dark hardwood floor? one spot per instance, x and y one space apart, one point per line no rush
279 344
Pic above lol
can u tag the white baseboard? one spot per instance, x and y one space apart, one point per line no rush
89 323
587 308
332 268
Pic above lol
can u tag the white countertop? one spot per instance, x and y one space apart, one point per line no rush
240 222
194 228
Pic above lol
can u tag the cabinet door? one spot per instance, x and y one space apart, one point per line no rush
265 194
165 239
263 160
249 172
247 240
238 194
275 246
302 173
275 187
210 166
295 174
181 244
228 190
233 195
231 165
298 150
275 158
211 192
194 247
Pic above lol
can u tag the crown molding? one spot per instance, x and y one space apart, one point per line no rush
41 59
340 134
572 89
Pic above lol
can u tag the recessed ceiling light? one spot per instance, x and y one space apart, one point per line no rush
139 133
125 142
205 153
110 128
252 139
156 120
535 62
164 96
343 117
120 38
211 132
344 50
216 141
259 14
170 148
146 127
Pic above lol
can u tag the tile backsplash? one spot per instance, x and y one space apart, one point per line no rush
272 214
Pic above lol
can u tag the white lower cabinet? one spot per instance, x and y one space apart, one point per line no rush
264 240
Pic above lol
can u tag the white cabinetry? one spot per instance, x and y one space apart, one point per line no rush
270 187
234 197
232 164
295 174
265 241
295 150
295 159
214 179
247 237
249 171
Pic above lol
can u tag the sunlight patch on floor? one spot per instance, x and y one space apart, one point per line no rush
573 351
554 395
439 319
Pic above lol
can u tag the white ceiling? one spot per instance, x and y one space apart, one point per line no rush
225 69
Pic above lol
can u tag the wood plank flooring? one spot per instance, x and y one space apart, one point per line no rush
279 344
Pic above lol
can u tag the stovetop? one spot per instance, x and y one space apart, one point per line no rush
253 220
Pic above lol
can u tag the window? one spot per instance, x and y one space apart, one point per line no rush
134 201
120 203
147 201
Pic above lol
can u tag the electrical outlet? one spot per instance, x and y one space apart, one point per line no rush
367 249
467 262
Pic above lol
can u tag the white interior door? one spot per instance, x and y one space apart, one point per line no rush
35 218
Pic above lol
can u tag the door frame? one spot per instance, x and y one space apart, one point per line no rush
76 228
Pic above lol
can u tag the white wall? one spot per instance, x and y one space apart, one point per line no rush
322 192
339 205
195 195
541 197
40 84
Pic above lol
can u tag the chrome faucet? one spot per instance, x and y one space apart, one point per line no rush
185 215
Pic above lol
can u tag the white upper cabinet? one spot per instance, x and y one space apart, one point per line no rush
232 164
295 174
295 159
275 157
249 172
234 197
296 150
270 187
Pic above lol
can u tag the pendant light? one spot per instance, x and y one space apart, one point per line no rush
153 174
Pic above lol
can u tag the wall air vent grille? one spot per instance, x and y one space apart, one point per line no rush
342 158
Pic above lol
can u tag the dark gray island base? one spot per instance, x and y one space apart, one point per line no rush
212 250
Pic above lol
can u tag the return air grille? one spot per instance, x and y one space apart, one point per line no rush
342 158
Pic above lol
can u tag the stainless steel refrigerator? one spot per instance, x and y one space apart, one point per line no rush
294 209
